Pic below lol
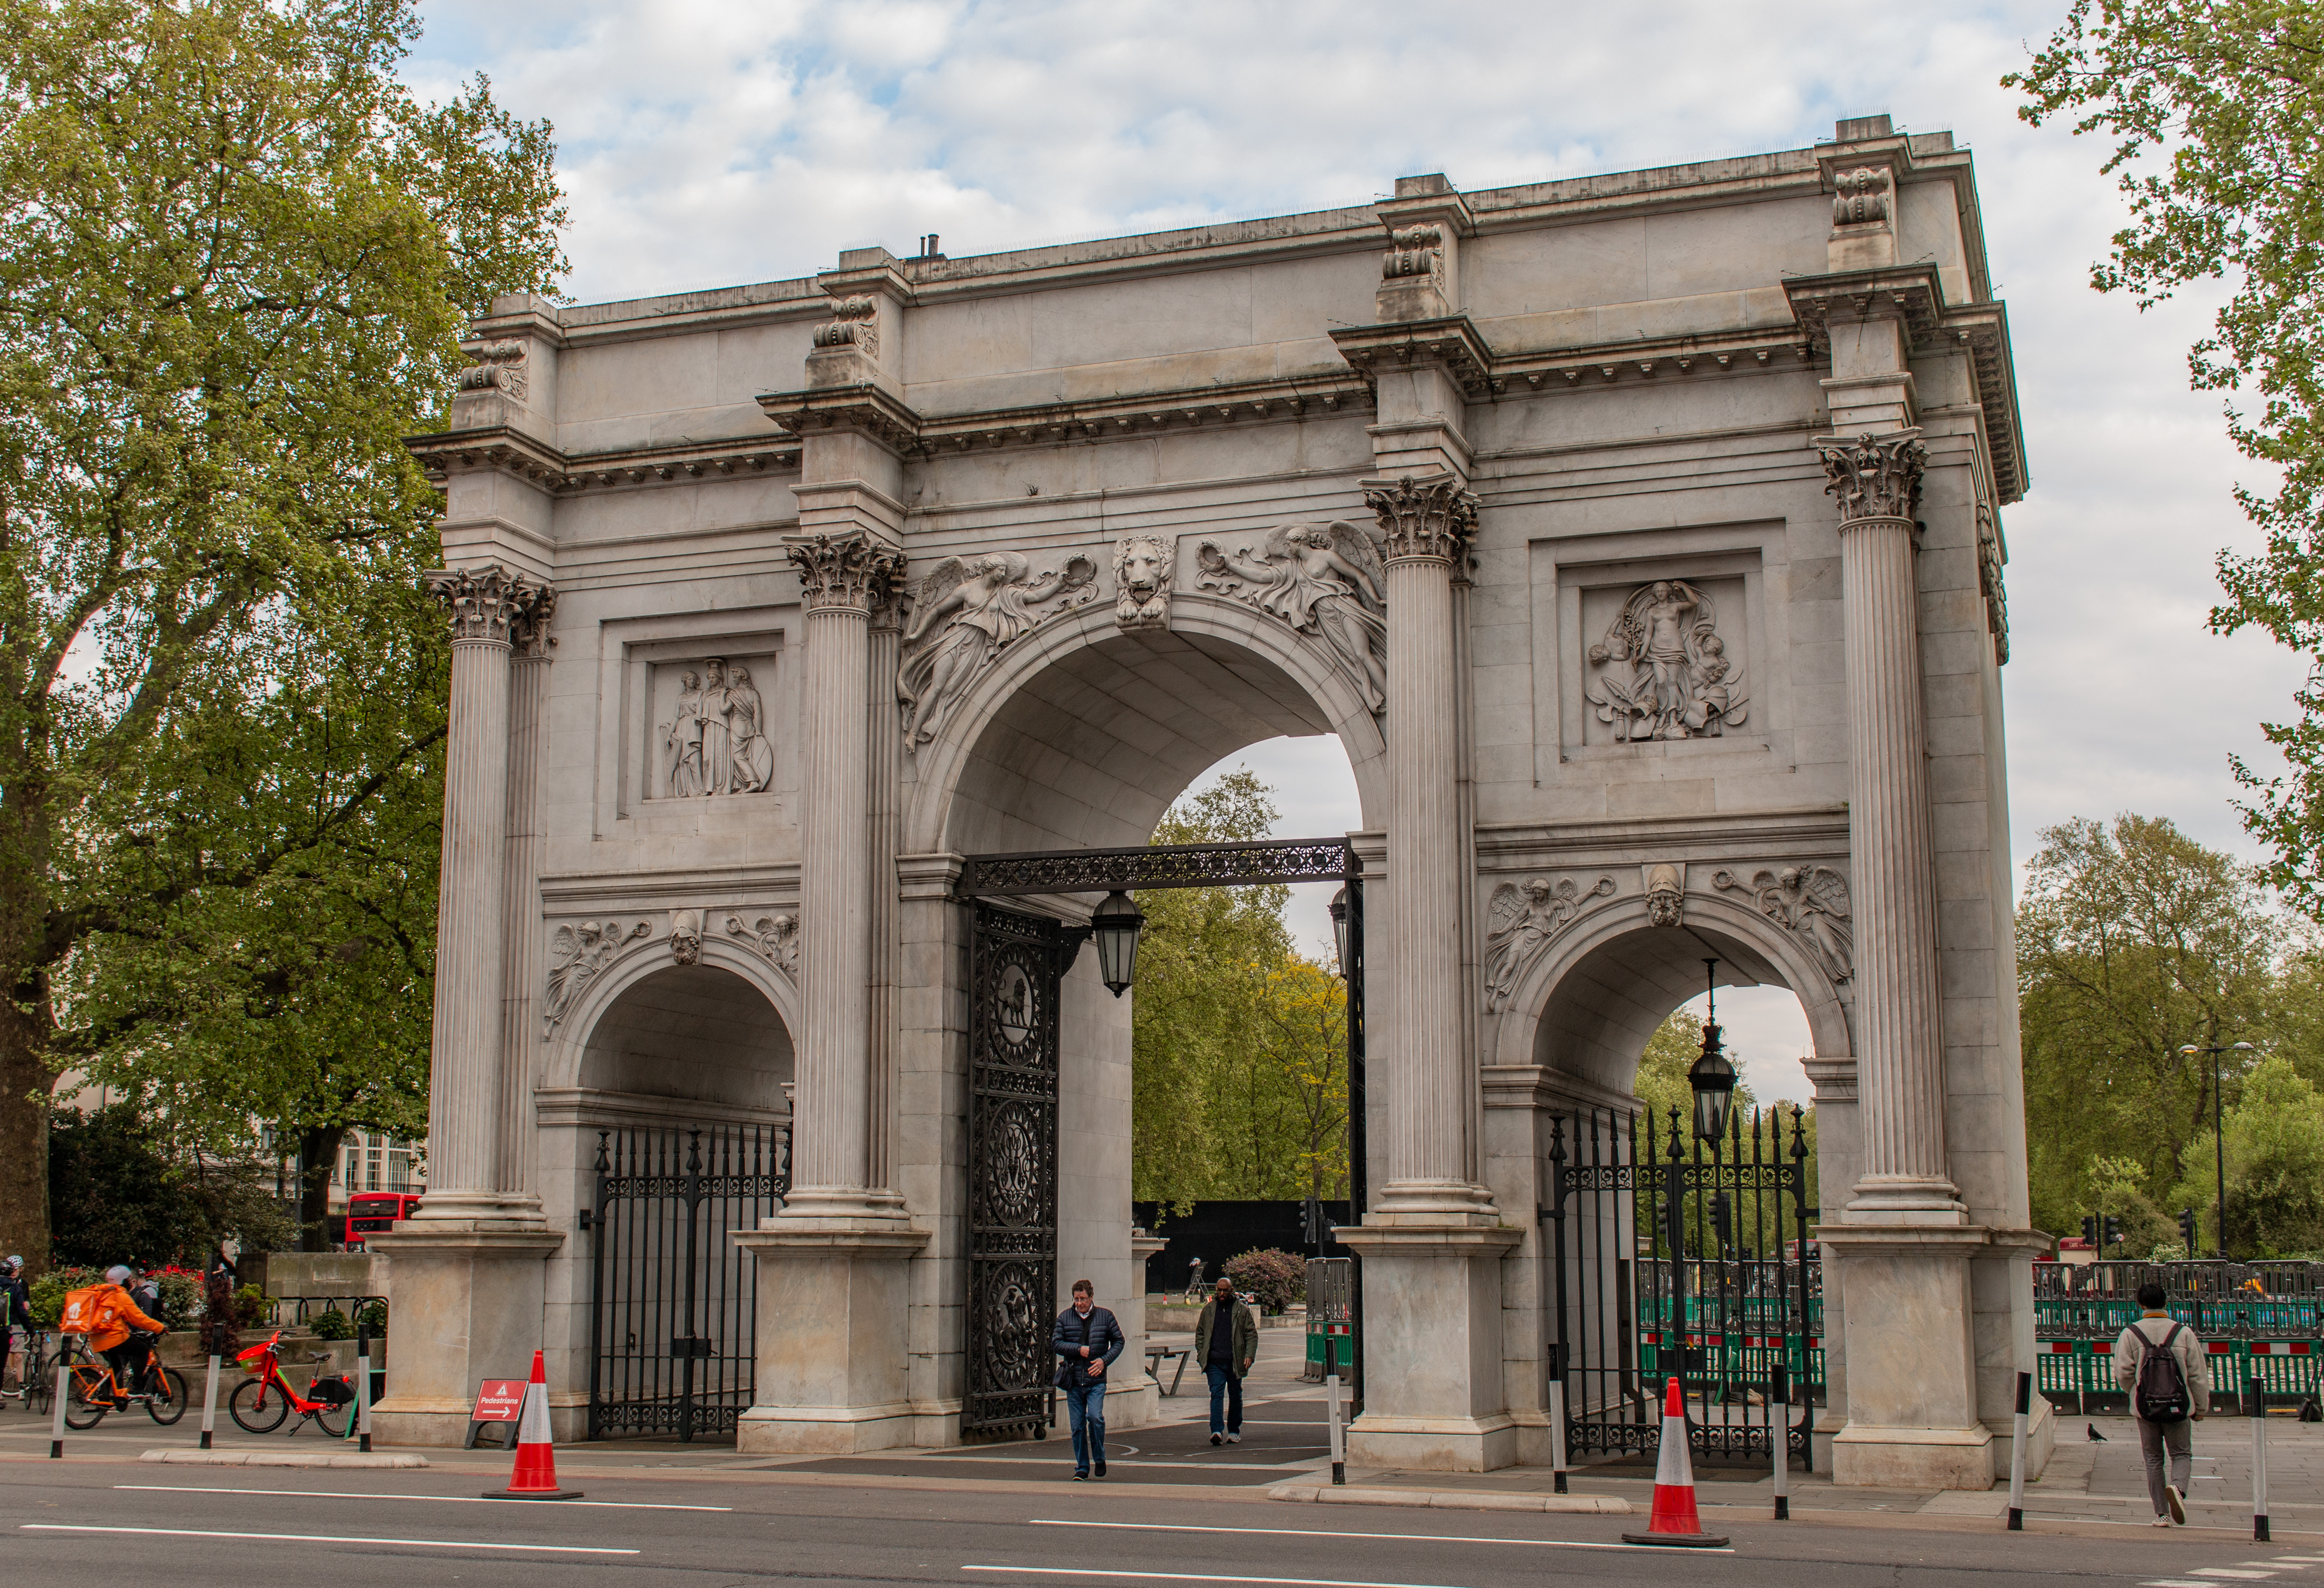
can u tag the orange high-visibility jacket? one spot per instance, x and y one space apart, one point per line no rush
116 1314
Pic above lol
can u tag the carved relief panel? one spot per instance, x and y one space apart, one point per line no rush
1663 662
711 733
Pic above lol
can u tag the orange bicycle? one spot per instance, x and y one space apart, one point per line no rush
91 1390
260 1403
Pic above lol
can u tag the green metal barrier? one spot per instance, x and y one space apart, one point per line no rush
1734 1363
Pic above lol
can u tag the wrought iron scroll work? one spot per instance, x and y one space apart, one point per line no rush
1157 865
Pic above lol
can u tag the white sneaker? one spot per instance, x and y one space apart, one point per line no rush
2161 1522
1234 1439
2178 1504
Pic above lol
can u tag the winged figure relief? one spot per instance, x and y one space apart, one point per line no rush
1523 918
1811 901
1325 580
966 612
1664 670
577 953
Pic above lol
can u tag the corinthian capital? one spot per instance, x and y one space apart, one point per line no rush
1873 477
529 632
490 605
852 573
1422 516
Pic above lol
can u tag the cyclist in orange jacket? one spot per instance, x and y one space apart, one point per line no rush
116 1314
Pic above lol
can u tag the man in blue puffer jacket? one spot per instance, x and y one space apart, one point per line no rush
1088 1338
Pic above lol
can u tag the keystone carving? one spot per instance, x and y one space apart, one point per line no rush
686 936
1325 581
1524 917
578 954
1417 251
1424 516
1810 902
774 937
718 742
966 612
1875 476
1863 196
1666 894
1142 566
847 572
1662 671
487 603
853 322
500 364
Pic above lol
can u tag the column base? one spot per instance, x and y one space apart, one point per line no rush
1434 1395
1912 1417
834 1295
1867 1457
467 1299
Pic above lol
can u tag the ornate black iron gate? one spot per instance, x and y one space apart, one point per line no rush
673 1300
1673 1256
1015 964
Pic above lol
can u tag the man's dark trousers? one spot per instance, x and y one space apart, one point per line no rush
1085 1411
1225 1384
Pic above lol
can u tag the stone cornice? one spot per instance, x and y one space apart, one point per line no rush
585 892
556 473
1812 830
857 406
1915 295
1452 341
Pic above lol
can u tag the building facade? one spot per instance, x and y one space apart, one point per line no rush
1638 536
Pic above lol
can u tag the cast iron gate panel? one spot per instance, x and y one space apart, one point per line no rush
1016 962
1629 1199
674 1301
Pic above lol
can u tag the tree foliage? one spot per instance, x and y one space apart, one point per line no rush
235 260
124 1193
2214 114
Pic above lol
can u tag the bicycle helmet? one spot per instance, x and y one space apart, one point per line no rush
12 1262
118 1273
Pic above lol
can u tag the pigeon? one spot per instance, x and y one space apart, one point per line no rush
2096 1437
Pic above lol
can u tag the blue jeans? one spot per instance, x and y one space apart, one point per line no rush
1085 1409
1226 1385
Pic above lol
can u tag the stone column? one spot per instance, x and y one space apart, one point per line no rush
522 947
465 1276
1426 520
884 730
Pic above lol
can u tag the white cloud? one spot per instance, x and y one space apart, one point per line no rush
709 143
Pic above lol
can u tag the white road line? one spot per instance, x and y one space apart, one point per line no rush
2228 1572
1329 1533
317 1538
1201 1577
2177 1582
447 1499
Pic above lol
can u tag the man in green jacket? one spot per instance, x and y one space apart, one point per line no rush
1226 1339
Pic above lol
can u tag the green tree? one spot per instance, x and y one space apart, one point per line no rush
2275 1166
2133 940
124 1193
235 259
2213 113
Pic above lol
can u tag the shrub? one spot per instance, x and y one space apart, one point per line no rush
333 1325
1276 1277
182 1296
373 1317
47 1297
249 1306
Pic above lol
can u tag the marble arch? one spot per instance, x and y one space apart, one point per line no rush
579 1034
1627 527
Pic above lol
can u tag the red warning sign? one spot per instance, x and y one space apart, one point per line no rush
498 1400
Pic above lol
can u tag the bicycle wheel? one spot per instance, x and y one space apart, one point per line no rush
258 1407
88 1398
333 1420
165 1397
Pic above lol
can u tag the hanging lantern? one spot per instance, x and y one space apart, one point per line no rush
1117 924
1340 927
1712 1077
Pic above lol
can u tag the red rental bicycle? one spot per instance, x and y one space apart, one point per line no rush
261 1402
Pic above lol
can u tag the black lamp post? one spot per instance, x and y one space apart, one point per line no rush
1117 924
1711 1078
2218 1131
1339 928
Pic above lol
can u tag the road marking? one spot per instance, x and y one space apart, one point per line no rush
1328 1533
2228 1572
316 1538
2177 1582
1203 1577
447 1499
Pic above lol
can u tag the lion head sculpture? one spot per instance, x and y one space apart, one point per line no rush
1142 572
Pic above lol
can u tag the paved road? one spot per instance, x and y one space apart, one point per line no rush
104 1522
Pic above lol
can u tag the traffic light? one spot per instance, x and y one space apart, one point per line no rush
2187 1230
1318 1228
2113 1230
2090 1228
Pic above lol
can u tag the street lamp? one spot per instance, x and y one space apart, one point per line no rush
2219 1129
1339 928
1713 1078
1117 924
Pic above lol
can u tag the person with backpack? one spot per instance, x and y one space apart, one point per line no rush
107 1315
2167 1373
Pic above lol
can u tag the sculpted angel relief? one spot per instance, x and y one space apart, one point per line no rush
966 612
1325 580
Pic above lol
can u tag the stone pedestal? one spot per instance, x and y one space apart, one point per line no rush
1433 1393
1912 1402
832 1344
467 1307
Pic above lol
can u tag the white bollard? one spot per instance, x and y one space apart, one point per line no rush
57 1416
363 1396
1557 1434
2017 1454
2259 1464
1331 1398
1779 1434
210 1403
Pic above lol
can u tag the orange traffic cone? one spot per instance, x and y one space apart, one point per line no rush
1674 1521
535 1455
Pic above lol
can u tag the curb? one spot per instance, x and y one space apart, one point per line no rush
284 1458
1596 1505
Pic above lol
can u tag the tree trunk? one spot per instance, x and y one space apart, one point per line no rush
319 1154
26 1085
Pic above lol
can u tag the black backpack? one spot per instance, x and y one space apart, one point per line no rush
2160 1395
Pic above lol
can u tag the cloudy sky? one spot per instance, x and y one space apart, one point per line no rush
705 144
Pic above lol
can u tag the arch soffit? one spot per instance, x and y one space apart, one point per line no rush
1620 916
943 760
568 1044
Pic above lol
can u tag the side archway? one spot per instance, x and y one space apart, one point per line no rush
717 1033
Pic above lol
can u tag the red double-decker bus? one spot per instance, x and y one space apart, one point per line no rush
369 1213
